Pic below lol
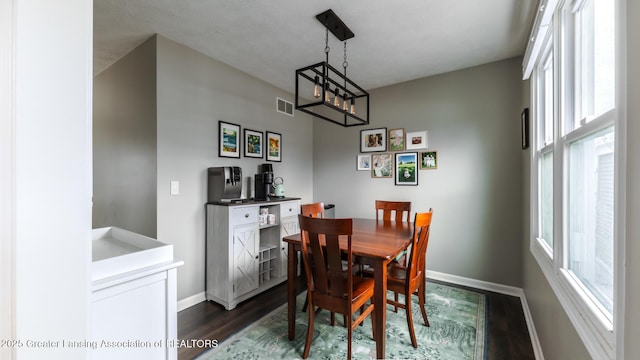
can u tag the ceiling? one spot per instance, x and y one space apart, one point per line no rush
395 41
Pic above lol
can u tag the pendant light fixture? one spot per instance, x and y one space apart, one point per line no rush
325 92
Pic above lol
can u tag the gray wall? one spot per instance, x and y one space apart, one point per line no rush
194 93
124 143
472 118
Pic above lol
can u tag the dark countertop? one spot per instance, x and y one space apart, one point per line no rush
252 201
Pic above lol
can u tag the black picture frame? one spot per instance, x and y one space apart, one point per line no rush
253 144
524 124
229 140
274 146
406 168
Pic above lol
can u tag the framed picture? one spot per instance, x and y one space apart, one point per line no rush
274 146
416 140
428 160
229 139
396 139
373 140
524 123
381 165
406 169
364 162
253 143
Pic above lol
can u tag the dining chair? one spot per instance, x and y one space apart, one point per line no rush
393 210
328 285
315 210
411 280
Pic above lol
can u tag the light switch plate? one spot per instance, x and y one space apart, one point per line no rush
175 188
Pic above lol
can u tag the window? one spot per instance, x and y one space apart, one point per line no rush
574 165
544 148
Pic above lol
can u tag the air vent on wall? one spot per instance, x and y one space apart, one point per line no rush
284 106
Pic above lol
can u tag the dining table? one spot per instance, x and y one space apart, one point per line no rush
377 243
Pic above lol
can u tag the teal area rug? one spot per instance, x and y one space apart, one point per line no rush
457 318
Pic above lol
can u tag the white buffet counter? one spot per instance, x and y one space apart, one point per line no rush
134 299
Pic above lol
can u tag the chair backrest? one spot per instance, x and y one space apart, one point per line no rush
321 245
315 210
417 257
396 208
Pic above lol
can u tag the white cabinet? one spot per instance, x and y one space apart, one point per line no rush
133 298
245 254
246 245
289 225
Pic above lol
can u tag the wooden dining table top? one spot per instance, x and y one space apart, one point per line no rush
374 238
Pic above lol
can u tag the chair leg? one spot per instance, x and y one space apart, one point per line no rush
421 301
395 297
347 324
407 307
307 344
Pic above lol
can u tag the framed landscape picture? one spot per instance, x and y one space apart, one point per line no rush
274 146
416 140
373 140
253 143
428 160
381 165
406 170
396 139
229 140
364 162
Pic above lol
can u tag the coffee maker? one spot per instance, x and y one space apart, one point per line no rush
224 184
263 181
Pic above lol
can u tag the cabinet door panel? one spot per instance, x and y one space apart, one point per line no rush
245 259
288 226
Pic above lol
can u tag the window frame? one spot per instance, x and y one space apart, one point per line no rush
602 335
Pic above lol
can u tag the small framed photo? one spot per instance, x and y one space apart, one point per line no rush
396 139
373 140
381 165
274 146
429 160
524 123
406 170
229 139
364 162
416 140
253 143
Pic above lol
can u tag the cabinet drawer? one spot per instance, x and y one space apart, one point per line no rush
290 208
244 215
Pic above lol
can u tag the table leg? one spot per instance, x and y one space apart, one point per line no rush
292 265
380 305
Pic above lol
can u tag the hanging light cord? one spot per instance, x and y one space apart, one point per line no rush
344 65
326 45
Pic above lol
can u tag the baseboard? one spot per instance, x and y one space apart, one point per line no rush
535 342
498 288
478 284
191 300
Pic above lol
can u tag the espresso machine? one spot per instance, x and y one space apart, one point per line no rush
224 184
263 182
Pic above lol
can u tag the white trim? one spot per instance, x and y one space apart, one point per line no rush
7 175
477 284
497 288
191 301
533 334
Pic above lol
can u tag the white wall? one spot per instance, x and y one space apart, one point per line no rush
194 93
473 120
51 166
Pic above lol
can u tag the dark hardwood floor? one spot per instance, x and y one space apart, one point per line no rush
508 336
